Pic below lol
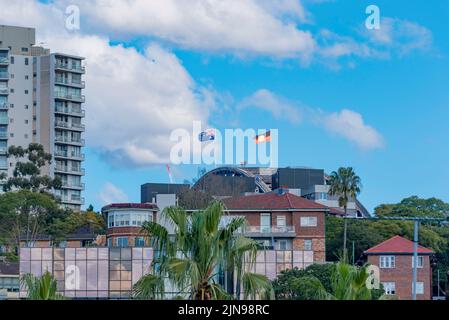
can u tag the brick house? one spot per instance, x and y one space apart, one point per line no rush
125 223
394 257
282 221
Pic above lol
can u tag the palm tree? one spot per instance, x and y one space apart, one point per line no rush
190 259
348 283
41 288
346 185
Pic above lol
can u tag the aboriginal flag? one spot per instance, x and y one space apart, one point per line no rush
261 138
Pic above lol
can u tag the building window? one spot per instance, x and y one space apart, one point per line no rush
27 77
110 242
282 244
26 91
389 287
12 90
26 121
26 61
281 223
420 288
12 60
387 262
308 245
309 221
26 106
122 242
420 261
139 242
265 222
322 196
24 49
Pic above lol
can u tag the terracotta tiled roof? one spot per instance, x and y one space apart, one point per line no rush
397 244
271 201
130 206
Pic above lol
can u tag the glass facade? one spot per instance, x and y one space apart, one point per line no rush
100 273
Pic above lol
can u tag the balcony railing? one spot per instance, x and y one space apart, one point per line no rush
68 96
72 199
70 111
4 120
4 91
71 155
3 150
4 60
79 84
3 135
4 75
70 67
269 229
71 185
4 106
69 140
67 169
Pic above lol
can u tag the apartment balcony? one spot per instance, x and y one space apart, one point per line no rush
70 170
70 112
3 166
4 91
68 140
69 67
3 150
70 83
3 135
4 61
69 155
270 231
72 200
70 97
69 126
4 106
71 185
4 121
4 75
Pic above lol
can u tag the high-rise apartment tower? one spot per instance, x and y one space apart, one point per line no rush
41 100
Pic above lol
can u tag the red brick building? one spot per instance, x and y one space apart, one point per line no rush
282 221
394 257
125 223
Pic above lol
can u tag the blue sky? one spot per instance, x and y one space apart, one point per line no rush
397 81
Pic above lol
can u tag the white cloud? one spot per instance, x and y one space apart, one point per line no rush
346 123
110 193
401 36
351 126
240 27
268 101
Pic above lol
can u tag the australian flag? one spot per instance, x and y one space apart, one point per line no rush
207 135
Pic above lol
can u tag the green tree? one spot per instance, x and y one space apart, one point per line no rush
296 284
25 214
345 184
27 170
193 256
41 288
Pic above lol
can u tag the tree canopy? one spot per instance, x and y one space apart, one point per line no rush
27 171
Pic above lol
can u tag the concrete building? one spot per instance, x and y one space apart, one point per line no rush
125 223
312 184
394 257
41 101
